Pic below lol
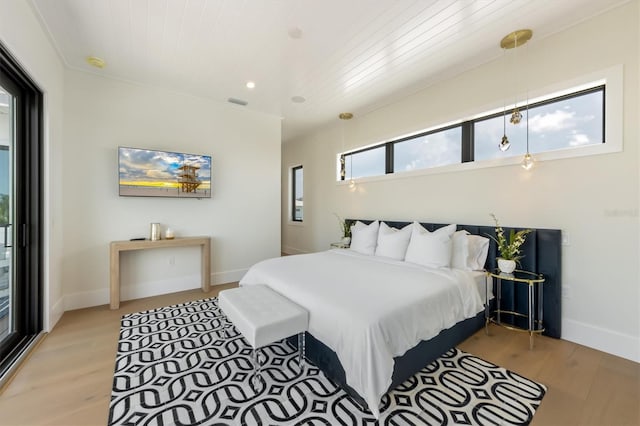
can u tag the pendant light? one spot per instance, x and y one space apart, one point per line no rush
344 116
511 41
352 182
504 143
516 115
527 161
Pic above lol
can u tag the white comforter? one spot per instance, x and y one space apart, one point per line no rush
369 309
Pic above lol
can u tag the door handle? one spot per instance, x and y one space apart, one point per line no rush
6 233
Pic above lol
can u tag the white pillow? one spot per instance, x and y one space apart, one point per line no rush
364 237
469 251
445 230
478 251
431 249
460 251
393 242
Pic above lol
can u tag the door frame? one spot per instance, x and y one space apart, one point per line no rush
28 211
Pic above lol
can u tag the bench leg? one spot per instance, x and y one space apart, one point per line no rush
225 328
257 367
301 349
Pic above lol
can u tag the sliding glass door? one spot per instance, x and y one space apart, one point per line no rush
7 308
20 213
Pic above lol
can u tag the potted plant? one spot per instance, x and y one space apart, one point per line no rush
345 230
509 249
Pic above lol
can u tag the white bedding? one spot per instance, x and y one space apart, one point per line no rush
369 309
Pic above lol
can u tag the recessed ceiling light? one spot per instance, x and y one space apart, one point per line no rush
298 99
94 61
295 33
250 84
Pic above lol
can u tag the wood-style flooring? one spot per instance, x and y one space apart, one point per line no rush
67 379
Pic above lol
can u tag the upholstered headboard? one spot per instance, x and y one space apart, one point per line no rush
542 254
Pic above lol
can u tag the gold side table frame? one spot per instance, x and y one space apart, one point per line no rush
534 281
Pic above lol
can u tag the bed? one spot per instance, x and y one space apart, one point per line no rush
370 339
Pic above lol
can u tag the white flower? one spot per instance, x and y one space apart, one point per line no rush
509 250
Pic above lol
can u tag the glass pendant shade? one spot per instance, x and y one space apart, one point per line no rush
516 116
527 161
504 143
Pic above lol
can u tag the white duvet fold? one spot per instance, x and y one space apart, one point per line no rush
369 309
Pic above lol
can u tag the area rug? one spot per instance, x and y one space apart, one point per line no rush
175 366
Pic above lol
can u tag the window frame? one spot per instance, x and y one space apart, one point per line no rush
292 200
387 166
609 81
427 133
576 94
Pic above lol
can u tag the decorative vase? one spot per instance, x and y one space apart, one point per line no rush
506 266
346 240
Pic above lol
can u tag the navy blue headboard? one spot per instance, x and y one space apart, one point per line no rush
542 254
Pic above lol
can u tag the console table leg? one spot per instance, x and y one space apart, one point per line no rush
206 266
114 284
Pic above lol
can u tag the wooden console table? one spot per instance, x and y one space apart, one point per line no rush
117 246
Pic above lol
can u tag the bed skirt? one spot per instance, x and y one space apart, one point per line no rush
405 366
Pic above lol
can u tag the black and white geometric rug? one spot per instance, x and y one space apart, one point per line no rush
176 367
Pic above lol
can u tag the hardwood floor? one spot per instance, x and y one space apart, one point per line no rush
585 386
67 380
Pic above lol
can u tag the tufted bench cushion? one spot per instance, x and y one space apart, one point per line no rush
263 316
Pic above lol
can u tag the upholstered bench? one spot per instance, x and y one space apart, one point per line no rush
263 316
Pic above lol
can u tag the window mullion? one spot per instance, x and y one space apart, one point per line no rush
467 141
389 158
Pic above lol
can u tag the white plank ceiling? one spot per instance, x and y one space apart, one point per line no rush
351 55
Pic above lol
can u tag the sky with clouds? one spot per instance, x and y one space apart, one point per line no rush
563 124
153 168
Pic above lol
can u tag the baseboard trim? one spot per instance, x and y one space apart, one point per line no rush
87 299
228 276
292 250
612 342
55 313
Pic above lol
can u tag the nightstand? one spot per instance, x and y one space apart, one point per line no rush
533 316
339 245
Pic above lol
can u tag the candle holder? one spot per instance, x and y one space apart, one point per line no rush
155 231
168 234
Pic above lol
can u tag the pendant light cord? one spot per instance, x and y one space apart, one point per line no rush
504 99
527 55
351 168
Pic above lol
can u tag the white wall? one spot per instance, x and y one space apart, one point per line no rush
242 217
21 33
594 199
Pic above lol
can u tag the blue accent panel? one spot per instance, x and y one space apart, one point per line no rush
542 254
